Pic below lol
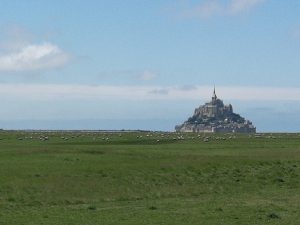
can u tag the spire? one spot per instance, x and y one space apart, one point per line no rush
214 97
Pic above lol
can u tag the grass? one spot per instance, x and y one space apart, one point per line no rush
132 178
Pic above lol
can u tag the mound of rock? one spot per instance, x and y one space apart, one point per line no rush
213 117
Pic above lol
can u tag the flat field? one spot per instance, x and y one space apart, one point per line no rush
153 178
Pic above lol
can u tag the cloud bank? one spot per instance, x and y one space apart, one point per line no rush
105 92
33 57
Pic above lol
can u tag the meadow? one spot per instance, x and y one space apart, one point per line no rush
151 178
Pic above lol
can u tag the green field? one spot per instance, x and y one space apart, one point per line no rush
90 178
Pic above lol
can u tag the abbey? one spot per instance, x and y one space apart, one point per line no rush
213 117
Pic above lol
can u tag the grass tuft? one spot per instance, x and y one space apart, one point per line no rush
273 216
92 207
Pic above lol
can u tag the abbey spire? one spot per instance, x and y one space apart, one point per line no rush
214 97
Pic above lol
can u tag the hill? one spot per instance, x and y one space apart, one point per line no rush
214 117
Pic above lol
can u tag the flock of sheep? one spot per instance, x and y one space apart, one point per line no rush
155 136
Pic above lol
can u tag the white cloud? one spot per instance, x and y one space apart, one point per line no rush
159 91
209 8
238 6
105 92
148 75
33 57
205 9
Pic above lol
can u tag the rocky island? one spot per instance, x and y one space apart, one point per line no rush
214 117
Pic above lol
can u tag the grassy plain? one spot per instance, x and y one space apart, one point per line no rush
148 178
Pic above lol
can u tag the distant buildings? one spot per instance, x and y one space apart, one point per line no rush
214 117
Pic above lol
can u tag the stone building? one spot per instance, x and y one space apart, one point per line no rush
213 117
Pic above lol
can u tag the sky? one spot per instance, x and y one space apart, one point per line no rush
139 64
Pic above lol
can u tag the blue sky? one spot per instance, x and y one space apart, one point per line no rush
104 64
